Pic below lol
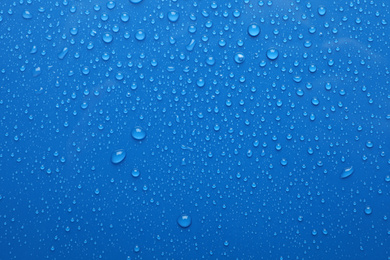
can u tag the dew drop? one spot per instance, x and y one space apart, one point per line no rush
110 5
347 172
312 68
321 10
239 58
27 15
107 37
300 92
368 210
173 16
283 162
135 173
63 53
138 133
37 71
118 156
200 82
125 17
315 101
140 35
184 221
272 54
210 61
254 30
369 144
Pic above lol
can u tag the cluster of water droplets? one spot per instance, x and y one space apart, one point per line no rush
198 119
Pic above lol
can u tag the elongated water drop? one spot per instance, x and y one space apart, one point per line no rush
347 172
118 156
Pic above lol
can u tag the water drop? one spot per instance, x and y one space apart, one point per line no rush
27 15
184 221
347 172
173 16
369 144
135 173
368 210
63 53
125 17
315 101
105 56
283 162
107 37
140 35
210 61
297 78
200 82
321 10
37 71
272 54
312 68
239 58
118 156
138 133
253 29
110 5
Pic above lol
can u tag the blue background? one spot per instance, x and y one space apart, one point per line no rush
255 163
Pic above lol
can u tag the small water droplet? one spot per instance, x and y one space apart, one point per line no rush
138 133
173 16
315 101
347 172
27 15
118 156
184 221
272 54
107 37
239 58
110 5
37 71
125 17
200 82
253 29
369 144
63 53
135 173
140 35
321 10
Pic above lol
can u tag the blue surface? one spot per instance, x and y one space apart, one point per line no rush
246 129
